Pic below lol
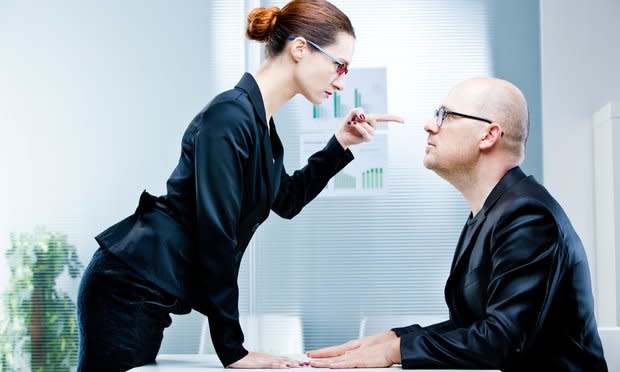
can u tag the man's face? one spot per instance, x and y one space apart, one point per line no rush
453 146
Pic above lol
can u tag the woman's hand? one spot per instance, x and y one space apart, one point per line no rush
360 127
261 360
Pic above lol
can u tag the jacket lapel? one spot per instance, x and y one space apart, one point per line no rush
248 84
271 146
467 241
277 151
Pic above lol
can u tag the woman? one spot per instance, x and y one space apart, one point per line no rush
183 250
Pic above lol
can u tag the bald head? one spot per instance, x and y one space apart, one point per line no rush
499 101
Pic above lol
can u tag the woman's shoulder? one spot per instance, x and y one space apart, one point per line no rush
231 106
230 113
233 101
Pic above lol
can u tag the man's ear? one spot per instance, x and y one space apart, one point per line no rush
297 49
491 137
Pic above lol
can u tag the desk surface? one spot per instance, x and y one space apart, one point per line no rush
210 363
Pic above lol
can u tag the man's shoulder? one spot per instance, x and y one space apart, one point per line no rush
529 193
529 198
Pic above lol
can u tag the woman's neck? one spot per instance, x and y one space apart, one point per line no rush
275 84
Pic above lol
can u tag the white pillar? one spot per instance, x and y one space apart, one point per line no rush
606 137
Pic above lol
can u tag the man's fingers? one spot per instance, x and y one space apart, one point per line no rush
333 363
343 364
327 352
332 351
321 363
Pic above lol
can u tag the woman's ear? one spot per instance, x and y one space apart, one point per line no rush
297 48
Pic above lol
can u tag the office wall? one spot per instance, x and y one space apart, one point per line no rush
580 43
514 39
94 98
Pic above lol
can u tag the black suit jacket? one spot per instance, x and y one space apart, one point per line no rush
190 242
519 292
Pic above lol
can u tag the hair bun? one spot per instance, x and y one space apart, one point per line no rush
261 22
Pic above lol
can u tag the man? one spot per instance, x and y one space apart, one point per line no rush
519 291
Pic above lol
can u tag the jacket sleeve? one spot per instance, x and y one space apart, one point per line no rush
523 280
305 184
444 326
221 148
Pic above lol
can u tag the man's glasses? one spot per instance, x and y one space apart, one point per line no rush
343 67
442 112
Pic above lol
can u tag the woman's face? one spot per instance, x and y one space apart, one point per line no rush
317 74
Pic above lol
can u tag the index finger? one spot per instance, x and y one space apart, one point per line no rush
386 117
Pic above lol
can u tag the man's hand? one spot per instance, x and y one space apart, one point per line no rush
380 350
379 355
338 350
261 360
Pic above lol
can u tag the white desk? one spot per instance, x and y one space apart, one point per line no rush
210 363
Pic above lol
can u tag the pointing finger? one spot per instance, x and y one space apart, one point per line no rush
386 117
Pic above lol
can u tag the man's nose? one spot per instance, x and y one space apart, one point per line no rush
431 126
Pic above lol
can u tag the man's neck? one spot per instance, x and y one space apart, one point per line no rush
477 183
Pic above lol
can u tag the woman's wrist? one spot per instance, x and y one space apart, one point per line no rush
339 137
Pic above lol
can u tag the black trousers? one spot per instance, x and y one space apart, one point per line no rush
121 316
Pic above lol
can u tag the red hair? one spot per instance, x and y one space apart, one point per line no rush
317 20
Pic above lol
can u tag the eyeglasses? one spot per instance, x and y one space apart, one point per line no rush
442 112
343 67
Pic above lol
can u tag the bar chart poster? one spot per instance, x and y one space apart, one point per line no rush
366 174
364 87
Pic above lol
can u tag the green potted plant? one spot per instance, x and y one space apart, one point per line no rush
38 325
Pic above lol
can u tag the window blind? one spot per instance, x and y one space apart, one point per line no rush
347 257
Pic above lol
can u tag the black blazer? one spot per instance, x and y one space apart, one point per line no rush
190 242
519 292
